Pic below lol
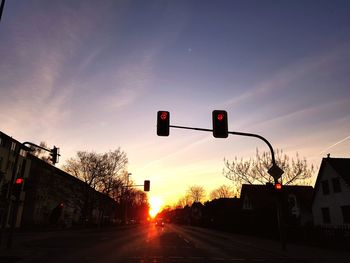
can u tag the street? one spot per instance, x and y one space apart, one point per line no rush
154 244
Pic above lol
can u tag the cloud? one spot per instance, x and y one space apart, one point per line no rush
291 73
335 144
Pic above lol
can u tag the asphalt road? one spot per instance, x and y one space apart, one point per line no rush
153 244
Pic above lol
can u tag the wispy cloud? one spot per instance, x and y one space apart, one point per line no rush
35 82
335 144
291 73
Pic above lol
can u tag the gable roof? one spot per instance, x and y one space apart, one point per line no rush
341 166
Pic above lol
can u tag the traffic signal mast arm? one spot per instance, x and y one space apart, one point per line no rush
36 146
235 133
146 185
54 152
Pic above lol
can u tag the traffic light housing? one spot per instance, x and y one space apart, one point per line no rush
220 126
278 186
146 185
163 123
18 186
54 155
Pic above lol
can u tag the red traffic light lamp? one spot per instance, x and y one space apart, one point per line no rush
19 181
278 186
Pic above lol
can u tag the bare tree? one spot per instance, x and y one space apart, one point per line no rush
196 193
114 164
254 171
184 201
222 191
101 172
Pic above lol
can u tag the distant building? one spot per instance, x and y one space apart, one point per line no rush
331 201
223 213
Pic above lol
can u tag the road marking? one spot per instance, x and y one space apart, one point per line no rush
186 241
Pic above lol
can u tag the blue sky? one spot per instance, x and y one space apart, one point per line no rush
87 75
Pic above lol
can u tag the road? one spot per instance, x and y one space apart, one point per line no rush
153 244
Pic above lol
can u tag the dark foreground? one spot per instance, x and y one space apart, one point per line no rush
153 244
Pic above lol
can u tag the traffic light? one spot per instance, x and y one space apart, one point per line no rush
220 127
17 187
54 155
146 186
278 186
163 122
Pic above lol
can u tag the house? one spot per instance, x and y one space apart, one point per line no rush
259 205
331 200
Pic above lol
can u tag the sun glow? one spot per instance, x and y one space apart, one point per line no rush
156 204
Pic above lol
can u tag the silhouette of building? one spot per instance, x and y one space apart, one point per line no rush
54 197
259 206
13 164
47 195
331 200
223 213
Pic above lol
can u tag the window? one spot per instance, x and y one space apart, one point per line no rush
325 215
23 153
336 185
247 204
346 213
325 187
13 146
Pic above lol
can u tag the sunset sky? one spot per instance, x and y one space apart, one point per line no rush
91 75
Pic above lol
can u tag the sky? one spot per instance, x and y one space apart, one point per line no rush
91 75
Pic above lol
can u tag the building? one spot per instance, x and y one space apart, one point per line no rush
259 206
331 200
54 197
13 164
45 195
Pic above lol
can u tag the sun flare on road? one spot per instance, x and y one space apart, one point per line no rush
155 206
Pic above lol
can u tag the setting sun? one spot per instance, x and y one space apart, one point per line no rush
155 206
